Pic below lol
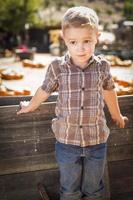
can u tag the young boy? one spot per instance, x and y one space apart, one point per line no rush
84 82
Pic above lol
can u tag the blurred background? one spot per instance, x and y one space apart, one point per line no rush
30 38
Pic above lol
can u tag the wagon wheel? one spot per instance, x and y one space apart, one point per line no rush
42 191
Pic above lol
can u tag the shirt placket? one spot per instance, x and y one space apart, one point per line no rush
82 108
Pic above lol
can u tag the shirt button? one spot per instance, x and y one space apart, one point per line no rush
80 126
82 107
83 88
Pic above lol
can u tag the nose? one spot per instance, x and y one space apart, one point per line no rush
80 47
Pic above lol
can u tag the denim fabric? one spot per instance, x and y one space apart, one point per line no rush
81 170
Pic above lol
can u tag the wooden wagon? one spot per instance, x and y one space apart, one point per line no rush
27 152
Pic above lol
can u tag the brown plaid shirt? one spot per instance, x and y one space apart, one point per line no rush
80 118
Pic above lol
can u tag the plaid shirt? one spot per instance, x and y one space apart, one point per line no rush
80 118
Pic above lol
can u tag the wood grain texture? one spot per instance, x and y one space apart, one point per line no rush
23 186
27 152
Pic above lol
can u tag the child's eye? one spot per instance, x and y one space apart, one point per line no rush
87 41
73 42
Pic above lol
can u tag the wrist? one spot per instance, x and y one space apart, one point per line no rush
31 108
116 116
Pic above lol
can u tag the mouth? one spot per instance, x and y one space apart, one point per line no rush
81 55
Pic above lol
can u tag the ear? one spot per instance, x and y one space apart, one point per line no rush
98 35
63 36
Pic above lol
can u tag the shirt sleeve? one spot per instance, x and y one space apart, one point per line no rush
50 82
108 82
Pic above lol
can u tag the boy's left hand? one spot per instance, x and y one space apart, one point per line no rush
121 121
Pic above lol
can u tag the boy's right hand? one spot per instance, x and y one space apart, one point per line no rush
24 107
121 121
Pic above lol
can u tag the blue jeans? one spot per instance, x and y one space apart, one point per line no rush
81 170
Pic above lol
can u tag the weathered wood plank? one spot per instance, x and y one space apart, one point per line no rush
25 122
121 137
28 163
26 133
121 179
29 134
27 145
123 152
122 196
6 101
24 186
26 148
120 169
9 113
122 185
124 99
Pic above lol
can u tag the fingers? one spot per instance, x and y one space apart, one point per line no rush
20 112
23 107
122 122
118 123
125 119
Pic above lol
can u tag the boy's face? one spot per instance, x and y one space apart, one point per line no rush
80 43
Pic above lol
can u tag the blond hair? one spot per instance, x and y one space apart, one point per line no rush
80 16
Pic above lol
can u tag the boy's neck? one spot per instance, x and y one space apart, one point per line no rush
82 65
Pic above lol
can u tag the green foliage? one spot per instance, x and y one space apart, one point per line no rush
15 14
97 10
128 9
109 12
58 3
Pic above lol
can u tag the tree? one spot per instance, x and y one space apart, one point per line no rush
16 14
128 9
58 3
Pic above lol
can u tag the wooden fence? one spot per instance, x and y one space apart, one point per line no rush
27 152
